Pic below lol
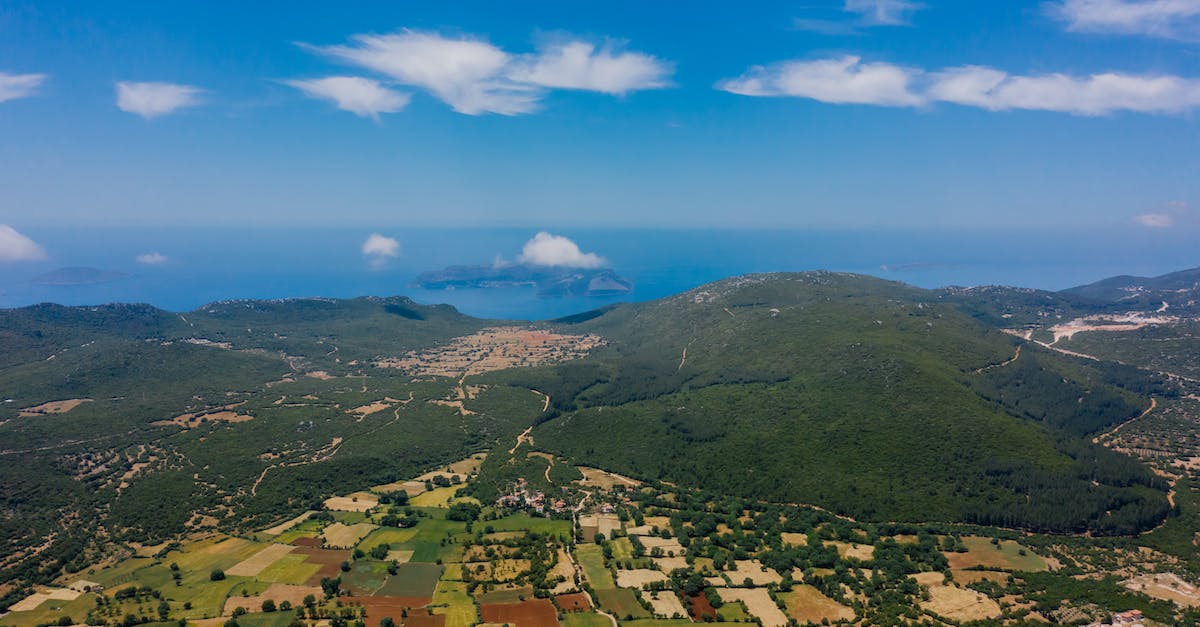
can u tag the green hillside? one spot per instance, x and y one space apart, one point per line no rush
863 396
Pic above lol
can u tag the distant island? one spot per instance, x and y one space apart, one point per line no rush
549 280
78 276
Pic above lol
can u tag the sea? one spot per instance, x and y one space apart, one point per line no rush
204 265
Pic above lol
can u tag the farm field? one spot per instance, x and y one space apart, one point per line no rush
807 604
981 553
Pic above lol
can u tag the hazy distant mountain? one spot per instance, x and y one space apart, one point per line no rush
549 280
79 276
1179 290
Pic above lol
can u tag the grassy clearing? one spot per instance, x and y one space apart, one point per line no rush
1007 555
412 580
386 535
807 604
621 602
622 548
587 619
438 497
591 559
452 601
521 522
291 569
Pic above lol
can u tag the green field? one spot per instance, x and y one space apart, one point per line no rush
622 548
733 612
412 580
291 569
451 599
591 560
585 619
521 522
365 577
386 535
621 602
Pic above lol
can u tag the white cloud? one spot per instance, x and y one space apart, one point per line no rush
16 247
848 80
378 249
555 250
474 76
151 259
14 86
579 65
1175 19
1155 220
840 80
361 96
883 12
1097 94
151 100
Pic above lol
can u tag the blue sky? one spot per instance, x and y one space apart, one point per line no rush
838 113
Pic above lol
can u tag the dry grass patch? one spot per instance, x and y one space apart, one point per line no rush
753 570
668 564
1165 586
639 578
1007 555
32 601
665 604
53 407
255 564
960 604
670 546
491 349
605 480
758 602
344 536
794 539
288 524
564 568
277 592
807 604
604 523
971 576
853 550
357 502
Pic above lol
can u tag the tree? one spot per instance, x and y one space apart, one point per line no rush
216 575
387 622
285 606
164 610
268 605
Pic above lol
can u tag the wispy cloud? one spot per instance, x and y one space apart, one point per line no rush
14 86
152 100
16 247
840 80
361 96
849 80
856 15
1173 19
151 259
1155 220
475 77
378 249
884 12
546 249
580 65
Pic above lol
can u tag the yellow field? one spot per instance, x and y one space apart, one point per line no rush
290 569
759 603
288 524
638 578
665 604
346 536
959 604
864 552
1007 555
357 502
795 539
807 604
438 497
451 599
255 564
754 571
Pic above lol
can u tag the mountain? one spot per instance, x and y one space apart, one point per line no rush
549 280
869 398
1177 290
79 276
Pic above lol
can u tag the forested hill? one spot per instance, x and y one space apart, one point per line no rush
1178 290
868 397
